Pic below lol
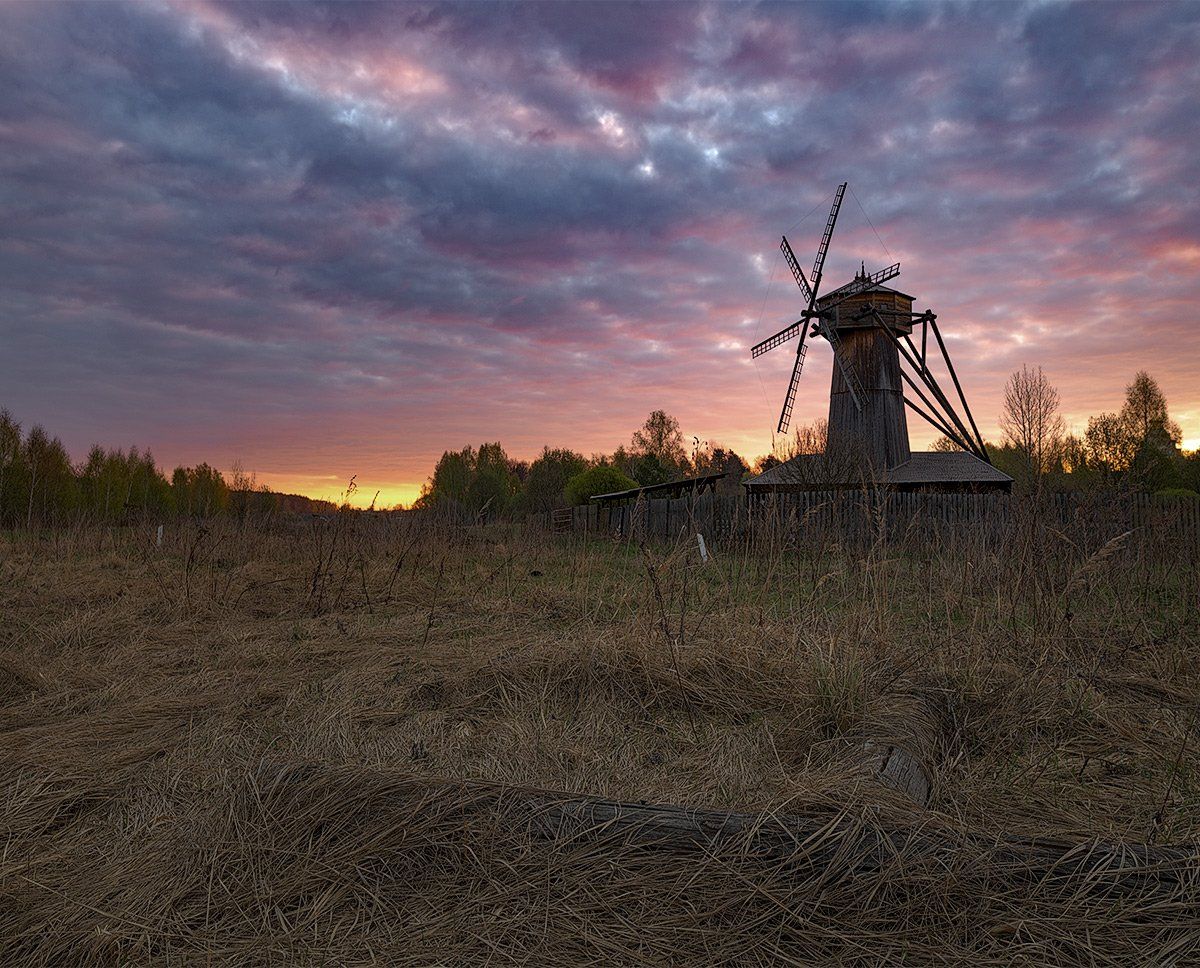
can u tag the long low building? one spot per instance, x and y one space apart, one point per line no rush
680 488
940 471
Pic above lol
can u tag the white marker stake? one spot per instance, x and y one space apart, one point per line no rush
160 527
703 549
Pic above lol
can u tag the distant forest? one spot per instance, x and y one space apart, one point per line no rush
1135 449
39 485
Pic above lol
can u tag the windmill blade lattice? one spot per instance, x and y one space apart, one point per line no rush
817 309
789 401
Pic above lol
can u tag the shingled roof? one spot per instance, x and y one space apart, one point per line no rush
926 467
952 470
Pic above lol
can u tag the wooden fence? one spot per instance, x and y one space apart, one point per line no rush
864 516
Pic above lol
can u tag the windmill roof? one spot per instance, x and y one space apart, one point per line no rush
932 467
878 287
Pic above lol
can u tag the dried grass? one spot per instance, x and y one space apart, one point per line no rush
256 745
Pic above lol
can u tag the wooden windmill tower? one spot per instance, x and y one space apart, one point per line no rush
871 329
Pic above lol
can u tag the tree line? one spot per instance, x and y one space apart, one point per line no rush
40 485
485 481
1135 448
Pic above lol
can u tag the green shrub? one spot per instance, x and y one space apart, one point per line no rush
596 480
1176 492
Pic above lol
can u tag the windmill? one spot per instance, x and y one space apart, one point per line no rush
870 328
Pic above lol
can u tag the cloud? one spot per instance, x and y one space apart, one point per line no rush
340 237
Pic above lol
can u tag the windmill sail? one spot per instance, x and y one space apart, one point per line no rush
789 401
790 257
778 339
823 248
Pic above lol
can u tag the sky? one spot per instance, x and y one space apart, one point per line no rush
325 240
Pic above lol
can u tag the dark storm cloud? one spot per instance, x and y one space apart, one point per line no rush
292 215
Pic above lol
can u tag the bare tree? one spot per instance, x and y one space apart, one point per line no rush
810 438
944 445
659 438
1031 422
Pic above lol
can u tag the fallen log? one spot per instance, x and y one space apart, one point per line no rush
822 842
862 843
904 749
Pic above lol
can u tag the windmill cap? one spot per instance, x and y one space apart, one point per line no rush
878 287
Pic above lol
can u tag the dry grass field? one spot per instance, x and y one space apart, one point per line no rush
308 745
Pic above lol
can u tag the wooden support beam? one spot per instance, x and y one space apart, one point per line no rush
962 437
928 418
961 396
975 443
935 388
